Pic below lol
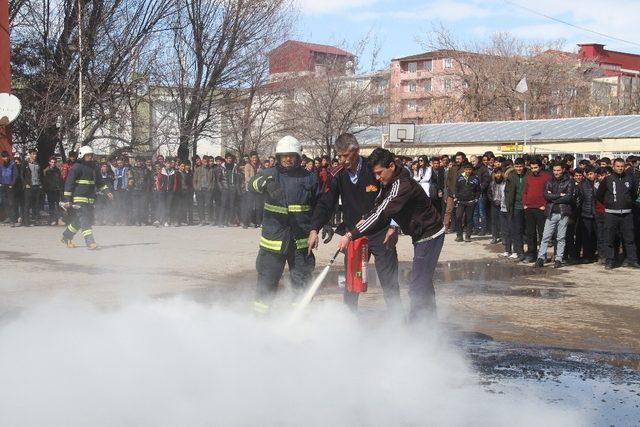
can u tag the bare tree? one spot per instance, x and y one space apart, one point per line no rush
212 44
486 73
46 63
250 113
335 100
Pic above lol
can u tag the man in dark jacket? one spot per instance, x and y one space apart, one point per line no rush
450 187
558 192
467 192
587 221
618 192
480 217
515 212
354 183
228 180
8 178
52 186
139 178
436 186
203 185
404 201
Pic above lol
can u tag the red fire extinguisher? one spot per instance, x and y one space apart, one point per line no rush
357 263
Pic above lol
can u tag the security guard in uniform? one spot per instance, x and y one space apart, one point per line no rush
80 194
290 196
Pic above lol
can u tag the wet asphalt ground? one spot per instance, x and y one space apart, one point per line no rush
571 334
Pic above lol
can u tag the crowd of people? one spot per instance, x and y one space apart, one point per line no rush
165 191
587 211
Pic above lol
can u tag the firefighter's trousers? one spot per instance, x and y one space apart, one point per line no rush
81 221
270 266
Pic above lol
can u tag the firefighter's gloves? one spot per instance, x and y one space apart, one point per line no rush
327 233
275 191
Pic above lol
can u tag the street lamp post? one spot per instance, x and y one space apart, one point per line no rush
80 82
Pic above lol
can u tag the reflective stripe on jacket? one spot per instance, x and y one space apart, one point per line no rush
290 220
82 182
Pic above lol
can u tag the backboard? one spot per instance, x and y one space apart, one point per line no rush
401 132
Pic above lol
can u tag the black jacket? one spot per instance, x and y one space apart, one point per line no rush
139 178
588 197
559 195
482 172
52 179
357 199
468 188
286 221
618 193
404 201
80 186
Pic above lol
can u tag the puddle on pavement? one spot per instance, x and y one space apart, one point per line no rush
605 386
478 277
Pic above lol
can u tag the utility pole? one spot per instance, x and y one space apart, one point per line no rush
80 82
5 69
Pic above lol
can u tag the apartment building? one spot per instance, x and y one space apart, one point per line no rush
418 81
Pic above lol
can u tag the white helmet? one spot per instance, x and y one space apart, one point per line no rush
84 150
289 144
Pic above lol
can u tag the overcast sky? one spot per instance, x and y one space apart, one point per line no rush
397 24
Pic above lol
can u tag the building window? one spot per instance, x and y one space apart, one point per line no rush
428 65
447 85
380 109
427 85
413 67
411 105
412 86
447 63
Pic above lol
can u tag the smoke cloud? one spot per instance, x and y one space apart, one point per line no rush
179 363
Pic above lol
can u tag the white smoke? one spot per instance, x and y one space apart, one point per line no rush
180 363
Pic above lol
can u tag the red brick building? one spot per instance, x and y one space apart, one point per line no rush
611 63
295 58
617 78
418 81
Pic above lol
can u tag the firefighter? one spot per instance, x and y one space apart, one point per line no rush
79 194
290 194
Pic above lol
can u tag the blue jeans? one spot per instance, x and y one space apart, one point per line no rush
480 214
555 224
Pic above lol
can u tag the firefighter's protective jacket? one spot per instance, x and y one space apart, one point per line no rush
289 220
82 181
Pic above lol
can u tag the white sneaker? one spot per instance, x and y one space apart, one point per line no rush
505 254
513 256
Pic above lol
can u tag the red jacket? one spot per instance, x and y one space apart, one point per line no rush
533 190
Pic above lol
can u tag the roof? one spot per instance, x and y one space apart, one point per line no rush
582 128
314 47
427 55
629 61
